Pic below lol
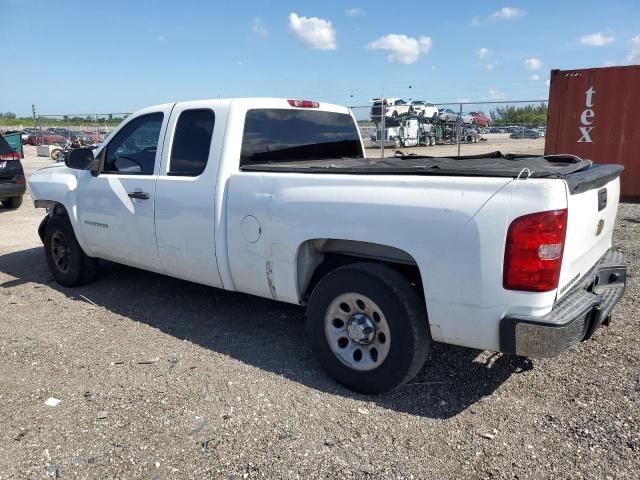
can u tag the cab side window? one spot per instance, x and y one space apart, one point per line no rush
133 150
191 142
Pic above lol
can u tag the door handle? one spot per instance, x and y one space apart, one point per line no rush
139 195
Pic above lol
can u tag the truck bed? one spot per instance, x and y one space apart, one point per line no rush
580 174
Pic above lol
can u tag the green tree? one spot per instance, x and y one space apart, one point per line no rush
520 115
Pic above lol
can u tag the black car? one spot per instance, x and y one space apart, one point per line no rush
13 185
525 133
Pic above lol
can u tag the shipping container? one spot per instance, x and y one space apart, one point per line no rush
595 113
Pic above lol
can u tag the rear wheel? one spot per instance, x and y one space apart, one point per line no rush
55 153
398 142
368 327
13 202
67 262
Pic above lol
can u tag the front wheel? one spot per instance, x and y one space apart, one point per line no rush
368 326
67 262
398 142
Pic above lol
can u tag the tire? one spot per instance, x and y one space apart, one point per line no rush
393 322
398 142
394 115
432 141
54 153
12 203
67 262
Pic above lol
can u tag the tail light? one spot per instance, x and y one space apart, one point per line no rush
20 180
303 103
533 253
12 155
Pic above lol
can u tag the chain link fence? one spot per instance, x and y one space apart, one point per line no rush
59 129
452 129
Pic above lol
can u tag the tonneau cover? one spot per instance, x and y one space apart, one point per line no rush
494 164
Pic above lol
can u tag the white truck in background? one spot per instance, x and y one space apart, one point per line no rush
275 198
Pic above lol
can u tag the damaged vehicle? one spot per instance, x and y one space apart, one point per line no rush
276 198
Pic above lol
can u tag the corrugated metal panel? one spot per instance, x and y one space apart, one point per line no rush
595 114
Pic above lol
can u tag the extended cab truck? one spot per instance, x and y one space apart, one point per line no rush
275 198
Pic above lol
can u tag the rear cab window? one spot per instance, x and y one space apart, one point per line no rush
284 135
191 143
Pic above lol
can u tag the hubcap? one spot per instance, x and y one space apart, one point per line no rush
60 251
361 329
357 331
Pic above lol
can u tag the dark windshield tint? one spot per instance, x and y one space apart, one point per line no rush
274 135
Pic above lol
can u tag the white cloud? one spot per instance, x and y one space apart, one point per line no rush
401 48
475 21
547 82
508 13
490 66
597 39
160 38
259 28
634 52
241 63
533 64
314 32
462 100
483 52
495 95
534 78
354 12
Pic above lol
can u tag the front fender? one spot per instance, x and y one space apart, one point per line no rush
58 185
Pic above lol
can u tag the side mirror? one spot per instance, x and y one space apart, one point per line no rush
80 159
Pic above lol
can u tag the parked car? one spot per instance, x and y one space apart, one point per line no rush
91 136
525 133
424 109
447 115
383 268
85 137
12 181
479 118
46 138
467 118
393 108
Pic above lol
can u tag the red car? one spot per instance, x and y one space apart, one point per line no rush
46 138
479 118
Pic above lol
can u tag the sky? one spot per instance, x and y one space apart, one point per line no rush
113 56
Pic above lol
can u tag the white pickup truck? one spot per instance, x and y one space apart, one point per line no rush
276 198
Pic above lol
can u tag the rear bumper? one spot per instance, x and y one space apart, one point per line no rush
8 190
573 318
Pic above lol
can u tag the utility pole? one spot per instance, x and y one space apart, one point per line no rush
383 114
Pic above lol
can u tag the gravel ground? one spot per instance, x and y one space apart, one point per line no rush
159 378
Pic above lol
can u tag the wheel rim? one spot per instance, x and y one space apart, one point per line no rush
357 331
60 251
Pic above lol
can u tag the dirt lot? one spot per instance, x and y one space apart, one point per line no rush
159 378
